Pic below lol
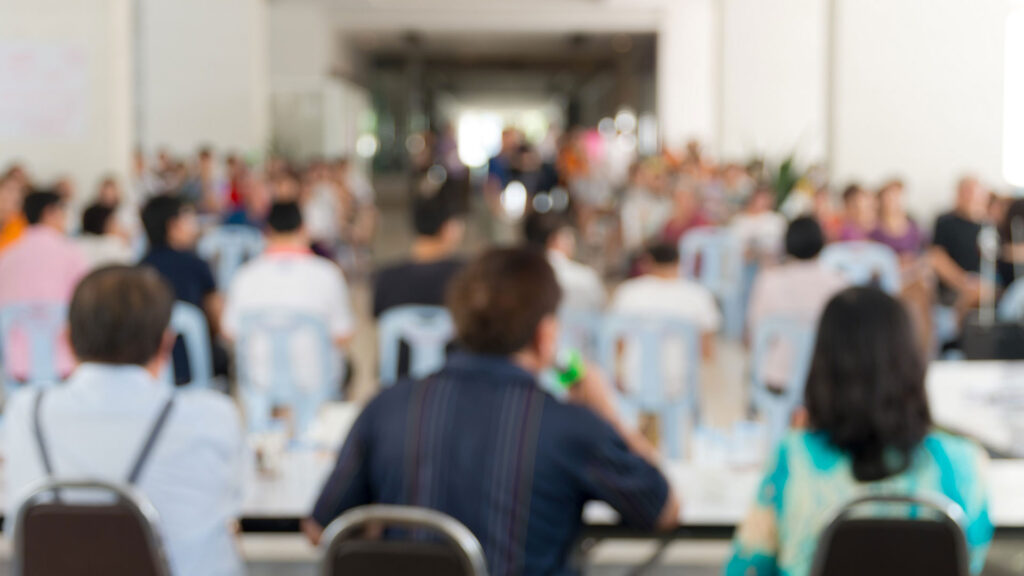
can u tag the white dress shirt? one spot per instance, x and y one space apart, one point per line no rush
581 286
94 427
104 250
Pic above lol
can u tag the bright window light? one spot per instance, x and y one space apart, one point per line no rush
1013 102
479 135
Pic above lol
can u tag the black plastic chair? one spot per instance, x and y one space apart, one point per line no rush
112 531
457 553
928 540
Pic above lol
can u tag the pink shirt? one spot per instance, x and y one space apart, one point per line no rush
43 266
798 290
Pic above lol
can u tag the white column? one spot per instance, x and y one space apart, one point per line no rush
688 73
67 87
204 75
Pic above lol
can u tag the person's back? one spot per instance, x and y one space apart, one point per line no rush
482 442
100 241
95 426
413 283
868 432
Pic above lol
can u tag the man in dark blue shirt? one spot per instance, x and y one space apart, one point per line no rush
172 231
482 442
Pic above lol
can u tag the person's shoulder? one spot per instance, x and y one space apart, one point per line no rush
958 449
573 425
214 413
392 270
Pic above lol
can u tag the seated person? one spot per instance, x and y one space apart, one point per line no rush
798 289
860 216
42 266
869 431
954 253
896 229
686 214
582 288
93 426
759 228
102 241
425 275
289 277
172 231
485 431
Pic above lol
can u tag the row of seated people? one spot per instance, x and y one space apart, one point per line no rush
480 440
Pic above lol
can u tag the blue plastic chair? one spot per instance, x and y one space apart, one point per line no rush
777 409
714 258
284 386
679 414
864 263
230 246
1011 305
427 330
42 325
579 330
189 322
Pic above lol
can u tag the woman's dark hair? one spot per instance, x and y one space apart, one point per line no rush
865 390
498 300
37 203
804 238
118 315
95 219
157 216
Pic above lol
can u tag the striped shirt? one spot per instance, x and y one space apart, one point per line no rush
482 442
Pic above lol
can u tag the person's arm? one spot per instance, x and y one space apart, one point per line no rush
594 392
948 270
348 486
342 320
213 305
707 344
973 483
756 544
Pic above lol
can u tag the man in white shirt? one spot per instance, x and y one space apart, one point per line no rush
759 227
94 425
797 290
289 277
662 293
645 209
582 289
102 240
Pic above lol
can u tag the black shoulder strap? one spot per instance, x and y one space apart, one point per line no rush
37 423
147 448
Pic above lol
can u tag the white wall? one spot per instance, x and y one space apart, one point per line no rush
300 40
688 73
101 31
204 75
774 78
919 88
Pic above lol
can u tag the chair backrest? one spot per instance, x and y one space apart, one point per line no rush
189 322
458 553
714 258
115 534
863 263
927 539
580 330
1011 305
645 338
229 246
799 337
277 379
39 326
427 330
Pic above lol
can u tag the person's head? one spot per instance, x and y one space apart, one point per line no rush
804 239
761 200
890 199
45 208
120 315
436 218
98 220
550 231
108 193
971 199
284 223
170 223
685 199
10 198
504 303
510 140
663 260
860 206
865 390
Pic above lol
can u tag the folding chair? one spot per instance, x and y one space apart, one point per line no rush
777 409
426 330
114 535
281 381
927 539
230 246
40 325
678 412
457 553
864 263
189 323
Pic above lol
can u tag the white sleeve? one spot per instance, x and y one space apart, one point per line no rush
342 321
710 316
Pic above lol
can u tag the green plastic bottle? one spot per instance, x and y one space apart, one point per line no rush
570 368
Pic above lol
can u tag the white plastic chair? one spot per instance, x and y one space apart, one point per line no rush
864 263
714 258
189 322
777 409
427 330
230 246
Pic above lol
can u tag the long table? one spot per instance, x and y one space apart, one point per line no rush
969 398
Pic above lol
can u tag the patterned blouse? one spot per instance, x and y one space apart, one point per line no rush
809 479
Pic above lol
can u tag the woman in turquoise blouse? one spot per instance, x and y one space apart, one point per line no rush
869 432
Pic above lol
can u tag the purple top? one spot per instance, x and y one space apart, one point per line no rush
910 242
850 232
